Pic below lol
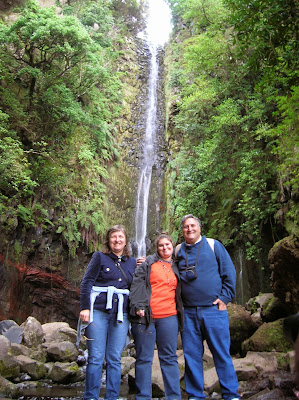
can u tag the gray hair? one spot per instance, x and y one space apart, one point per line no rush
189 216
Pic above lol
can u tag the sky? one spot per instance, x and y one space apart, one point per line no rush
159 24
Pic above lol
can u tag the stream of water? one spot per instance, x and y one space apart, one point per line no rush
157 32
148 158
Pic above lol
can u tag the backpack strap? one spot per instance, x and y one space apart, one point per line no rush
177 248
211 243
209 240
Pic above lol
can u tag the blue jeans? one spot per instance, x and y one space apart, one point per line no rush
164 332
106 338
208 323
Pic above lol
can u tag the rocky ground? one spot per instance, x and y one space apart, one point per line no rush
32 355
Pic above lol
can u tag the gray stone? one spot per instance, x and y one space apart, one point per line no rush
65 372
34 368
59 332
9 367
6 324
61 351
8 389
11 330
32 332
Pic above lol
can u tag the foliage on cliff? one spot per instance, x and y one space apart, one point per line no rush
60 97
233 102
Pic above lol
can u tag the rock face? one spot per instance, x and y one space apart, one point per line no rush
28 291
284 261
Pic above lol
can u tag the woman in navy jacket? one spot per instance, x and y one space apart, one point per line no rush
104 305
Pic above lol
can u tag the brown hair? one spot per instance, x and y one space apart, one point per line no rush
163 235
116 228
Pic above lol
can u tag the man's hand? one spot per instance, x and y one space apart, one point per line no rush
221 304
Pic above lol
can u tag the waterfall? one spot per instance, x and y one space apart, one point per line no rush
156 35
148 158
240 280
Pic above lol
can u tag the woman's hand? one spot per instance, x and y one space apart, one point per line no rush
141 313
140 260
84 315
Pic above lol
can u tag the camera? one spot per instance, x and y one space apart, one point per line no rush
191 273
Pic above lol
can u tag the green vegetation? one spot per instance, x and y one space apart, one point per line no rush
60 96
233 97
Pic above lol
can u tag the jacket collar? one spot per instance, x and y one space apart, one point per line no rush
116 258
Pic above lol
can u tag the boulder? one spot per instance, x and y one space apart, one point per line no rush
256 303
8 389
33 334
65 373
208 361
273 309
59 332
34 368
20 349
11 330
269 336
211 382
283 263
262 362
61 351
9 367
127 363
241 326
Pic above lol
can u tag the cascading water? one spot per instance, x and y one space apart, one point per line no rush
155 38
148 159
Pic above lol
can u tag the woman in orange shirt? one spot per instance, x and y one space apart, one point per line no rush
157 316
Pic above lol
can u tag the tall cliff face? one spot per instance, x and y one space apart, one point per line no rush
123 177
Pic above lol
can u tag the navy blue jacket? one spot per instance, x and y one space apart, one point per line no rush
102 271
216 274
